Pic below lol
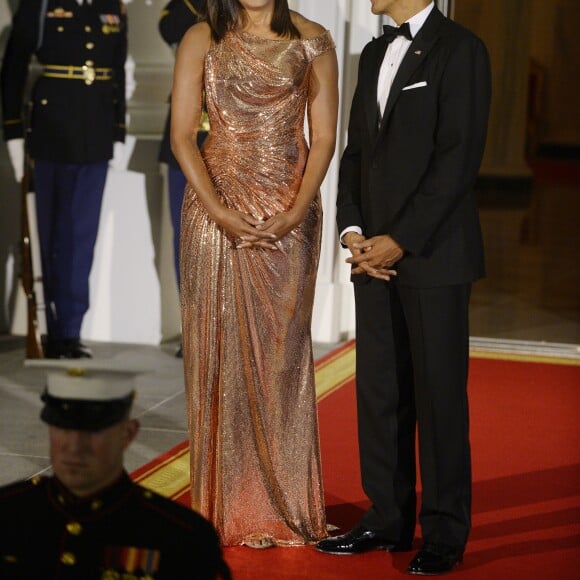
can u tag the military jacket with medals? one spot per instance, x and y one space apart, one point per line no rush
126 532
78 101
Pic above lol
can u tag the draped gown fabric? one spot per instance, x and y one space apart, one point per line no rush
249 375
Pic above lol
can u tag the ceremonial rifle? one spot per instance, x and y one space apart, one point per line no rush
31 273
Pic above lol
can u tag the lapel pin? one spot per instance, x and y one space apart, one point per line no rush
417 52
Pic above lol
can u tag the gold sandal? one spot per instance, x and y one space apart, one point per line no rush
259 542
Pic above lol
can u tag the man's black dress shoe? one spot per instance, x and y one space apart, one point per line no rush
432 560
179 351
360 540
71 348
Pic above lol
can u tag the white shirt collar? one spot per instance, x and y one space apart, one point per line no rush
80 2
417 21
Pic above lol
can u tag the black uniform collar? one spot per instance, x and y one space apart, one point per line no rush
92 507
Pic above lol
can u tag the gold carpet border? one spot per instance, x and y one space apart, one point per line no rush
335 372
171 477
167 474
535 358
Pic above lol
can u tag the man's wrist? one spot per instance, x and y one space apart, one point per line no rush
350 237
355 229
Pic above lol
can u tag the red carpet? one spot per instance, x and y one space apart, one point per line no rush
526 470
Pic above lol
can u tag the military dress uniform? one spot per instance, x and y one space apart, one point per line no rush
176 18
119 531
124 533
77 112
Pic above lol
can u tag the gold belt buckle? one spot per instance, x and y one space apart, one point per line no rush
89 74
204 122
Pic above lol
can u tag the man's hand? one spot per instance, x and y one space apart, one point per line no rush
352 238
374 256
16 154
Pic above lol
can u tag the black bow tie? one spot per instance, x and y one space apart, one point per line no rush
391 32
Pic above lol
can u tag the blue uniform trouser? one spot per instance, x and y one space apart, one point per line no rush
177 183
68 202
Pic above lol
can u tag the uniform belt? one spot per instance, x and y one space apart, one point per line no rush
87 73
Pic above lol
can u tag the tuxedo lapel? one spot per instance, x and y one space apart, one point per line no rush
372 76
416 54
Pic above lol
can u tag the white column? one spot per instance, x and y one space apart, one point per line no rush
352 25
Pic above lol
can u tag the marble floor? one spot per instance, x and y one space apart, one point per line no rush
530 301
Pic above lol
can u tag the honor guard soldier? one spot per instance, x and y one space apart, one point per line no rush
90 521
77 112
176 18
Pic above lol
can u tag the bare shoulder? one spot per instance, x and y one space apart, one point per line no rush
198 38
307 28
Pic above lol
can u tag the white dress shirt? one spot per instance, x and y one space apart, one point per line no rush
393 57
396 51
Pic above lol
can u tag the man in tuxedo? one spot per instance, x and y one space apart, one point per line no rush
407 212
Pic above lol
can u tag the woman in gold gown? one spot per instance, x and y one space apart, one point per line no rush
251 225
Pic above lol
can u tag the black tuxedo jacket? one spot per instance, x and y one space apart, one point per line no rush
412 175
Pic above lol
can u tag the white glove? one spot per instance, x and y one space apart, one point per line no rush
119 163
16 154
122 153
130 83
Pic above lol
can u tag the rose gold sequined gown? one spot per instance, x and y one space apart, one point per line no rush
251 404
